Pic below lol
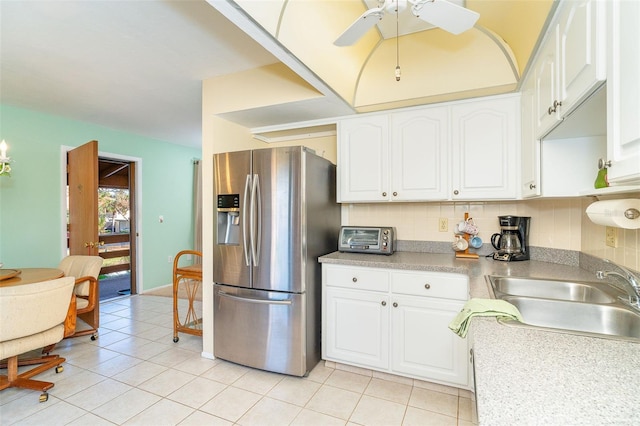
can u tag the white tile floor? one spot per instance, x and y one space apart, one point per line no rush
134 374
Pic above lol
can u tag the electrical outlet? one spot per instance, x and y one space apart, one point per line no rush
443 224
170 259
611 238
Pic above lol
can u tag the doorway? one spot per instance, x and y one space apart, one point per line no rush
116 227
106 226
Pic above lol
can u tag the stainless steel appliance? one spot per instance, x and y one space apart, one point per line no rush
276 214
367 239
513 241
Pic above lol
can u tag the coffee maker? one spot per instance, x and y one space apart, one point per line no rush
512 242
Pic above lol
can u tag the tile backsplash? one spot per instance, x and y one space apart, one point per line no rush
555 223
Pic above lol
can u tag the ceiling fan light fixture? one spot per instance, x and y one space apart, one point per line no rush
439 13
448 16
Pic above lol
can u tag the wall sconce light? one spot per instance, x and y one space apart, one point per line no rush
5 168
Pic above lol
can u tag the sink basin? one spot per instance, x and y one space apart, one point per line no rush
591 292
604 319
588 308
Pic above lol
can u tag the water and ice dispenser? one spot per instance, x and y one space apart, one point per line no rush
229 219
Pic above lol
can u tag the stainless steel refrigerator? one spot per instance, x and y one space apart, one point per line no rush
276 214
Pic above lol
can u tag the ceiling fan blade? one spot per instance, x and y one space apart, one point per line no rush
448 16
360 26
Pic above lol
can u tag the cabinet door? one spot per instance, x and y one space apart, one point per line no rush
419 155
581 51
546 85
485 141
356 327
530 147
623 92
363 159
423 346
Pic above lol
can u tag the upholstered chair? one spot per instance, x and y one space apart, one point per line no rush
32 316
86 270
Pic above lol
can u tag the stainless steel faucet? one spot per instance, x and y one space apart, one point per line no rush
631 281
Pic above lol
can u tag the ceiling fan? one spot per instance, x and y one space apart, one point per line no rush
441 13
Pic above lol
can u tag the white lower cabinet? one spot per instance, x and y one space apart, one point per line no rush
395 321
358 327
423 346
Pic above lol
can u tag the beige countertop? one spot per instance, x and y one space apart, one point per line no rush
531 376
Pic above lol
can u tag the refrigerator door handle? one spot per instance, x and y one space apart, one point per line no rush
254 300
245 245
256 215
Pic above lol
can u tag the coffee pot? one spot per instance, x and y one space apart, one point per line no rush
512 242
507 242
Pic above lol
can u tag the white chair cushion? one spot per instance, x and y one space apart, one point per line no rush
81 266
29 309
35 341
81 303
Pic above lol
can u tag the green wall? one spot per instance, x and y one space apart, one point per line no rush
31 210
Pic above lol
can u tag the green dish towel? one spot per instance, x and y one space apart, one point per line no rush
482 308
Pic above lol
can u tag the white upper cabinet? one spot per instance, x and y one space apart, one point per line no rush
571 63
419 155
394 157
456 151
530 146
485 139
582 43
547 114
623 92
363 159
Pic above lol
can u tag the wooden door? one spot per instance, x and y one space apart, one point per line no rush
133 230
82 169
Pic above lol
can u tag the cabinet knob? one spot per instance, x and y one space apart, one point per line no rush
395 305
395 194
354 279
384 194
532 186
427 286
554 108
602 164
456 192
383 303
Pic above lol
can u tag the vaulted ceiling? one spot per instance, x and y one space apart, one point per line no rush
435 65
138 66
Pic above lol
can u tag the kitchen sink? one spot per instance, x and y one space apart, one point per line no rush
585 308
607 319
592 292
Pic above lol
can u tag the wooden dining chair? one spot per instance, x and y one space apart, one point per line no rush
32 316
85 269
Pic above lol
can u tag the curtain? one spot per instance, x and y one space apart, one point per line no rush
197 206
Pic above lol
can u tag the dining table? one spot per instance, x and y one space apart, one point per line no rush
19 276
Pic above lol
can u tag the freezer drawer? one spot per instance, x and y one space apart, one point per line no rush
260 329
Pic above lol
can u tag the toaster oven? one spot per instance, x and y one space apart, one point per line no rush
367 239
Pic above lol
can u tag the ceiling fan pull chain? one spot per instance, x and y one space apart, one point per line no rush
397 44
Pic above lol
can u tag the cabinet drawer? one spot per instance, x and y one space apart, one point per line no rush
431 284
356 278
